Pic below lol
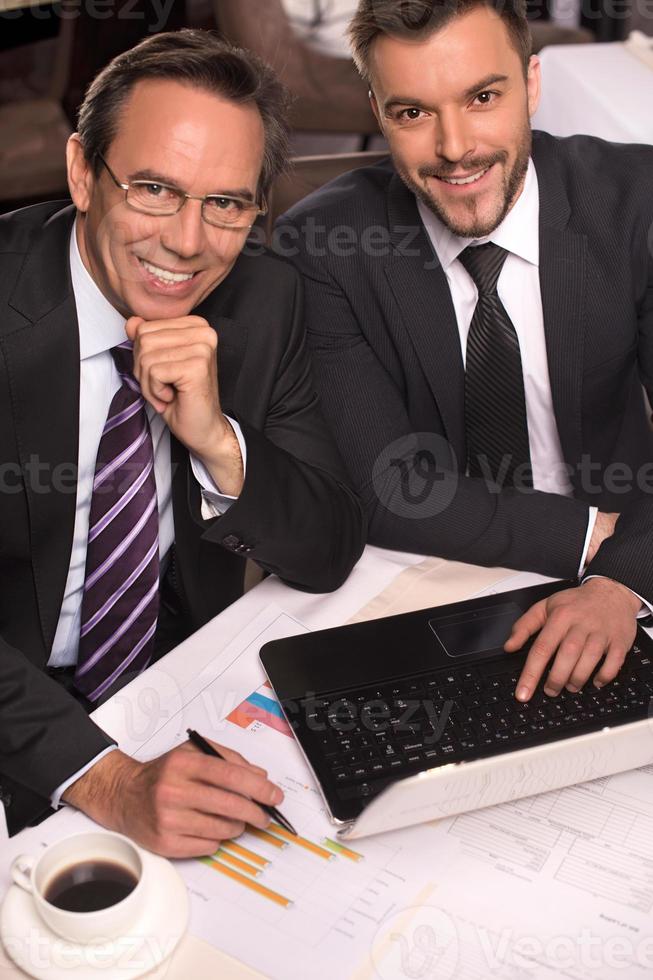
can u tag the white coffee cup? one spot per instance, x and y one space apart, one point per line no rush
35 875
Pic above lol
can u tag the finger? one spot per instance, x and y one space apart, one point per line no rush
156 370
172 340
236 758
235 778
181 846
169 355
218 803
531 622
544 646
132 326
161 381
187 374
149 337
144 328
613 663
230 755
213 826
569 652
595 647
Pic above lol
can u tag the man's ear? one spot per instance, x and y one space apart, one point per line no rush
533 84
80 174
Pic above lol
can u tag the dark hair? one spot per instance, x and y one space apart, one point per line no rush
420 18
195 58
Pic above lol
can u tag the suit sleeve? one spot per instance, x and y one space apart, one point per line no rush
45 735
415 497
297 515
626 556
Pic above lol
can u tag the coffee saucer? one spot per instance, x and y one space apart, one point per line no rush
153 936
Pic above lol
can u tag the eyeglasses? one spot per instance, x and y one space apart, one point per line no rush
157 199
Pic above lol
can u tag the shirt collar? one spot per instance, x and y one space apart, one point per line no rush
518 232
101 326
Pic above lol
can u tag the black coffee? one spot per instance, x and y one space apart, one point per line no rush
90 886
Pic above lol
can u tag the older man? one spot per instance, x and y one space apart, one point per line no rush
158 426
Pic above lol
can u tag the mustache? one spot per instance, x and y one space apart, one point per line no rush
470 167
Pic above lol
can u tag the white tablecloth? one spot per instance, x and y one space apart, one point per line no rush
597 89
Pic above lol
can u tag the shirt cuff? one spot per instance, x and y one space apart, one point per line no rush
591 521
647 608
55 799
214 502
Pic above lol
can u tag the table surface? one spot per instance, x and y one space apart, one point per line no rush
598 89
382 582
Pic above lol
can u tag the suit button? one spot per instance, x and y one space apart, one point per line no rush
231 541
5 797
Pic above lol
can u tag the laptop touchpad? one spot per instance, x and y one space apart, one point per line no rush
476 631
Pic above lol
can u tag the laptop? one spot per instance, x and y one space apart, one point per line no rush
414 717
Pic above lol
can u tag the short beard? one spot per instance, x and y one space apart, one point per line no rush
511 185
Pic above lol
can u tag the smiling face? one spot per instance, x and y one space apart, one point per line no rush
455 108
162 267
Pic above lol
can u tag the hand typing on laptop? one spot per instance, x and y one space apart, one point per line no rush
578 626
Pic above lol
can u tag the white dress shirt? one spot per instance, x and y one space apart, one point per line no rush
519 291
101 327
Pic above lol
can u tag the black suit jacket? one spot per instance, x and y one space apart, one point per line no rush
295 517
386 350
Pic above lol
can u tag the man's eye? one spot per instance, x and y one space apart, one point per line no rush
227 205
485 98
409 115
157 192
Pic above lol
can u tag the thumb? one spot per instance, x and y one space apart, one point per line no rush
132 325
531 622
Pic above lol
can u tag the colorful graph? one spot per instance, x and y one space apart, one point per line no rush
245 866
263 708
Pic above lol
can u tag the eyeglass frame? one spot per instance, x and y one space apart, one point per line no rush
249 205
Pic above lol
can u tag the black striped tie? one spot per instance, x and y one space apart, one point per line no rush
495 405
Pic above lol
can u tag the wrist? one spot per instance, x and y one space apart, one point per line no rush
608 586
100 792
223 460
219 446
604 527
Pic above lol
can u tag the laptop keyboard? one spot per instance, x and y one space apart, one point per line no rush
367 737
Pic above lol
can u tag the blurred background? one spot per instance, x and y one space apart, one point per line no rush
598 75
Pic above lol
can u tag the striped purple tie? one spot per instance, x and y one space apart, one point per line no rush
121 588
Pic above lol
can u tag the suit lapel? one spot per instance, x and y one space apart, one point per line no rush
232 335
563 279
42 359
422 293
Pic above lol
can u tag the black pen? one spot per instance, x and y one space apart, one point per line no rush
207 749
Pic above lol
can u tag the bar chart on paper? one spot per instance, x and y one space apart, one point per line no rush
310 894
259 711
254 865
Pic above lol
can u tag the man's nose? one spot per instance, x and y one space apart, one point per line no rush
455 138
183 233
